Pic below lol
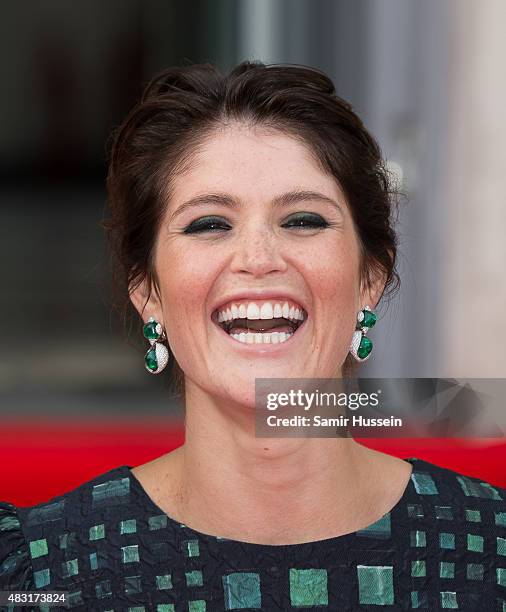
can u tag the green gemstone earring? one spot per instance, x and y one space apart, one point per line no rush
361 346
157 356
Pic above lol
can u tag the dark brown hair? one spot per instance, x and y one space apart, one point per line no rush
182 105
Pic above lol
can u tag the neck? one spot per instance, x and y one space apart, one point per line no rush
269 490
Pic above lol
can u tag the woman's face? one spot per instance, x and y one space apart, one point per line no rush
256 233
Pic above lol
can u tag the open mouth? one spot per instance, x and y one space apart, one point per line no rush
267 322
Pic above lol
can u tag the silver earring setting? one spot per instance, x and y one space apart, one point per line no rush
157 356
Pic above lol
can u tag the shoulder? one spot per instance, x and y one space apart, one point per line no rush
40 543
15 566
455 496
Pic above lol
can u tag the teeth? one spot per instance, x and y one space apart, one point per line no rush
253 312
268 310
265 338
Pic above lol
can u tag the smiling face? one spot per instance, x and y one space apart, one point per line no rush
257 261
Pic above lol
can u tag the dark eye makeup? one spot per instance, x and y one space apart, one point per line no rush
306 220
297 221
205 224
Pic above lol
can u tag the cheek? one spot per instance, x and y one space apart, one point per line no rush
334 271
333 274
186 278
337 282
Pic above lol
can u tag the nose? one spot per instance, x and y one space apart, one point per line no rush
258 253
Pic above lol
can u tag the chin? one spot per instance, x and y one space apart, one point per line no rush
242 397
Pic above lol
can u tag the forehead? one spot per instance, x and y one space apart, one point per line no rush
252 162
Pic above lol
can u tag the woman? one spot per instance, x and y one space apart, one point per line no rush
252 216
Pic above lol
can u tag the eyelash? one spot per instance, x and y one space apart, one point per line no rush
205 223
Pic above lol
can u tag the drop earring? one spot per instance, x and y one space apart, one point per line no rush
361 345
157 356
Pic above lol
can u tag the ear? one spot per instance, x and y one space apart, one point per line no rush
371 292
145 297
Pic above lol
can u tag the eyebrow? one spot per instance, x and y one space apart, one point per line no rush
286 199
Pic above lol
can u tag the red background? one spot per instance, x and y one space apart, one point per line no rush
43 459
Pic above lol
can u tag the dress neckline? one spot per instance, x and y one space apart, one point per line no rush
383 524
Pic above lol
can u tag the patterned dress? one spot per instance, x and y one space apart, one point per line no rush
111 548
